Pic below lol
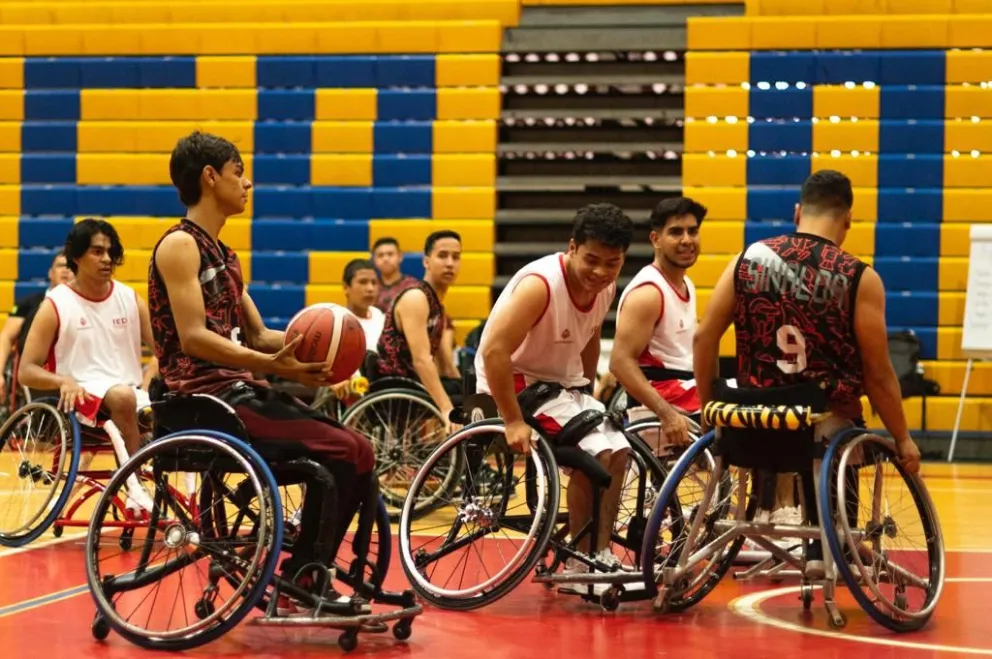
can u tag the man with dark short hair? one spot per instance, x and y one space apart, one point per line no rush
388 259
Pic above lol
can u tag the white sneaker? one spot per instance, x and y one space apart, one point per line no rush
607 557
138 500
574 566
787 515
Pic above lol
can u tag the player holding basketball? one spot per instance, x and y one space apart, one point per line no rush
86 342
652 350
545 327
411 340
210 338
804 310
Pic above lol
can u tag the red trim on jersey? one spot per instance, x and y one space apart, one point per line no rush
547 303
684 298
660 294
91 299
564 273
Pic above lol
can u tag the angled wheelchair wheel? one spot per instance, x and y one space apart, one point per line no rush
39 459
405 427
493 528
698 503
885 537
189 579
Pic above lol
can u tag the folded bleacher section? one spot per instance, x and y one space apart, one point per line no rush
900 103
356 121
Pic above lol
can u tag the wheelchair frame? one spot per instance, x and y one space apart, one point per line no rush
259 473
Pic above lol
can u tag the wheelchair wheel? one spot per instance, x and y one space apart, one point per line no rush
500 519
404 427
885 536
187 584
617 401
698 494
39 458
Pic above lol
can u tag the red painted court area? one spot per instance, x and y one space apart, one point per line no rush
46 610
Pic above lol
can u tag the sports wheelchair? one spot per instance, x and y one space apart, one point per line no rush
241 523
779 431
517 511
46 459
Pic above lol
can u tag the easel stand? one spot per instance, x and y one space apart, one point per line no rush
957 419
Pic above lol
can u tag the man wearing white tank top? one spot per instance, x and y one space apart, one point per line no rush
85 341
545 327
652 351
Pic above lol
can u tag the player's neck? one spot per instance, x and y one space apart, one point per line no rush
361 312
90 287
674 274
824 227
439 288
210 219
389 280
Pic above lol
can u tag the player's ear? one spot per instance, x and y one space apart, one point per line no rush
209 176
571 246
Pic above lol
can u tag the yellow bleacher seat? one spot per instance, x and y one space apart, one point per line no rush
785 8
728 343
703 296
722 203
701 102
967 101
952 273
967 171
973 31
462 203
342 136
955 239
964 205
346 104
9 230
949 343
708 268
860 239
11 104
464 169
849 31
236 234
463 327
10 168
333 293
976 416
865 207
472 136
966 135
862 170
467 70
156 136
783 32
713 68
721 237
11 71
861 135
477 235
130 168
968 66
6 294
950 376
328 267
234 71
10 137
10 200
468 103
716 170
341 169
718 33
8 264
841 101
718 136
168 104
924 31
468 301
950 308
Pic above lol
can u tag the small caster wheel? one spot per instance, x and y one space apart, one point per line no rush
610 599
126 540
57 531
348 641
402 630
806 596
100 628
203 609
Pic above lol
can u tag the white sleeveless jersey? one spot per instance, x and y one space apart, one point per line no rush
99 341
671 342
552 351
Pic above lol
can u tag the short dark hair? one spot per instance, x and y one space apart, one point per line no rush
190 155
439 235
55 257
387 240
677 207
605 223
827 191
354 266
80 237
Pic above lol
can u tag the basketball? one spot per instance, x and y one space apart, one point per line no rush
331 333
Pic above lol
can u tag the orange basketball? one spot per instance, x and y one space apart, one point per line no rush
331 333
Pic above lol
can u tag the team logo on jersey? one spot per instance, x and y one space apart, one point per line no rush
120 322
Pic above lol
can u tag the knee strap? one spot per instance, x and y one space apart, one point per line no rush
578 427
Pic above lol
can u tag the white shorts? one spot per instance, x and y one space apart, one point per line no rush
87 411
554 414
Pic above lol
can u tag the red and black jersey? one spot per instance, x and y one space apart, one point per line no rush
394 351
223 285
794 317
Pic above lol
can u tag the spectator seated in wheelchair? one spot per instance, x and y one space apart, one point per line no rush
85 343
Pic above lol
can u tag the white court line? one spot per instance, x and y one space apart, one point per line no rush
44 543
748 606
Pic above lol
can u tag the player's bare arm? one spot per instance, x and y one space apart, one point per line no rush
445 360
411 314
258 336
178 261
635 324
590 355
706 342
880 380
32 373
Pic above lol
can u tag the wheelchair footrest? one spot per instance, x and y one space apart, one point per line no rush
338 622
592 578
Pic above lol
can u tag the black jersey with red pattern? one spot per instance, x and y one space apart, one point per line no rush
794 317
223 285
394 351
